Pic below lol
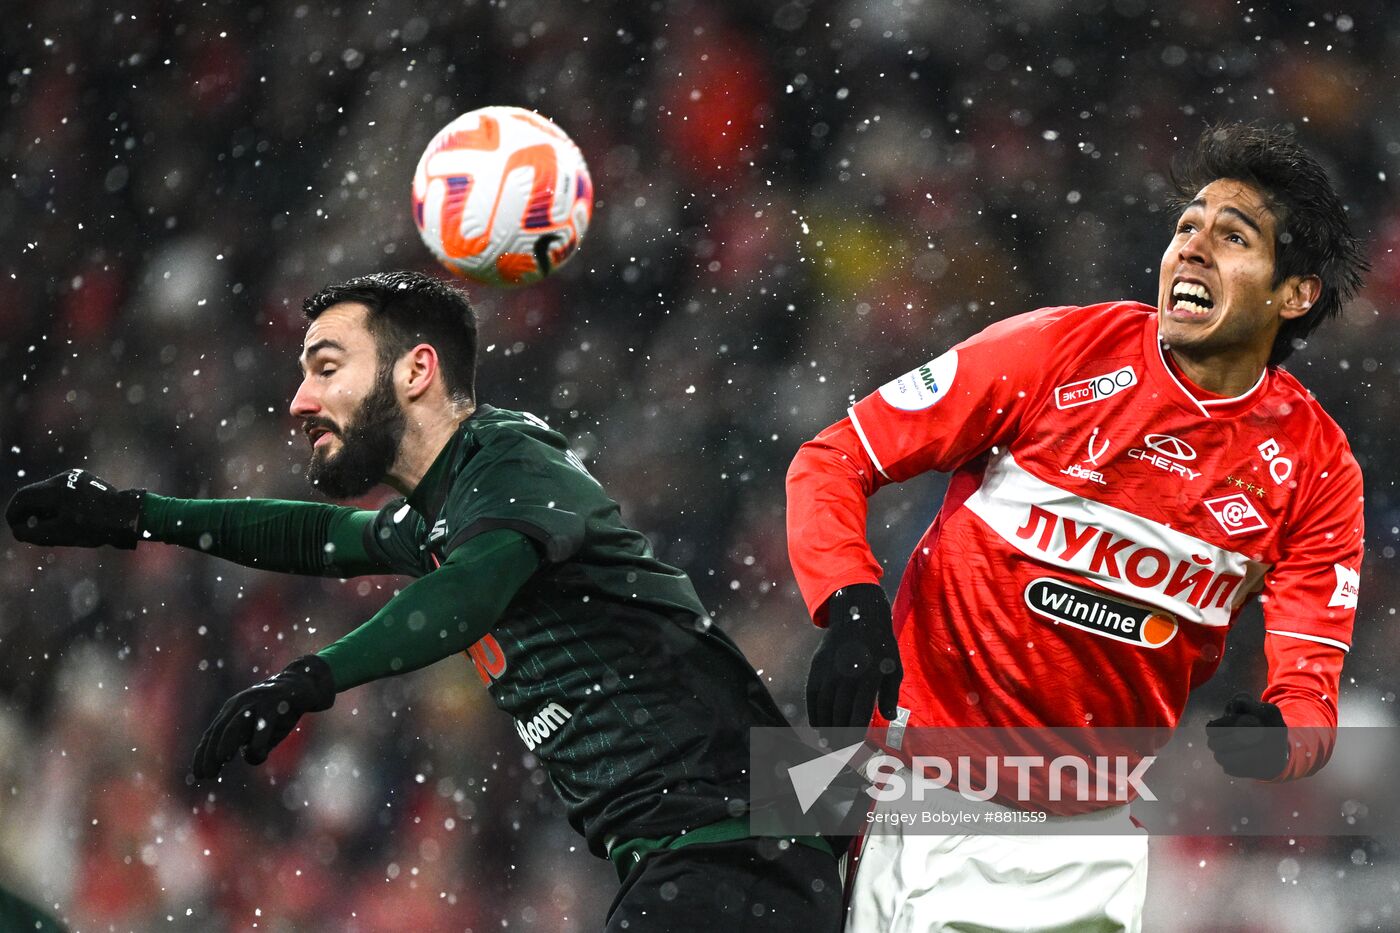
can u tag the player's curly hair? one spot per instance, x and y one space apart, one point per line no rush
409 308
1312 233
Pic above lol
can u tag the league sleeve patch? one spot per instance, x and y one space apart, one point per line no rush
1348 588
920 388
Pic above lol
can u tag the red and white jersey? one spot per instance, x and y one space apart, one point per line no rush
1102 529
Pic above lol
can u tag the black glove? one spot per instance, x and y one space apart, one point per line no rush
1250 740
264 714
76 509
858 660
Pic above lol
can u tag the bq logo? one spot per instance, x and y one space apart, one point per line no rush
1095 612
1095 389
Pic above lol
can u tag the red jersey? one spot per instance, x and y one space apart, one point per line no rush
1103 527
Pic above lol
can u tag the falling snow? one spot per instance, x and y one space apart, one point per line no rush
794 202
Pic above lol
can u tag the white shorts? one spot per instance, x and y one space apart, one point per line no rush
906 881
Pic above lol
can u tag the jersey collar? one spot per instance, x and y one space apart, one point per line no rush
429 495
1193 397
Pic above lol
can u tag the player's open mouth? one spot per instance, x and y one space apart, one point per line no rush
319 436
1192 298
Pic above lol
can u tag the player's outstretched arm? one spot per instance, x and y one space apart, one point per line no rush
436 616
310 538
78 509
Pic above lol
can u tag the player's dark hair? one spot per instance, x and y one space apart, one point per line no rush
1312 235
409 308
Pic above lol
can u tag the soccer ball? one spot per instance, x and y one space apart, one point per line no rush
502 196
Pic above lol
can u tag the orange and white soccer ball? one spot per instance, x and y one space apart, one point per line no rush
502 196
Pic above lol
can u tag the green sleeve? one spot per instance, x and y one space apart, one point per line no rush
18 914
437 615
269 534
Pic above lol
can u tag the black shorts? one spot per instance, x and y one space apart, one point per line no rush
741 886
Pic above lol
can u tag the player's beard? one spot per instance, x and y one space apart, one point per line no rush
369 444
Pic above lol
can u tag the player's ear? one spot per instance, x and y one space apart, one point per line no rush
419 368
1299 294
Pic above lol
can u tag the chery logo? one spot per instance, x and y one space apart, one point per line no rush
1166 453
1173 447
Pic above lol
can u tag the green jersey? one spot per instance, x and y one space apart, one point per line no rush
635 703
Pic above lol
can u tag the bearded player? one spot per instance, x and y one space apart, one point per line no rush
635 703
1152 466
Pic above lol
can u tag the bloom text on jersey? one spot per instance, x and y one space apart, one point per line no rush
544 724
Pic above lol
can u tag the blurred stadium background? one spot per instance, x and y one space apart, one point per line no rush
796 201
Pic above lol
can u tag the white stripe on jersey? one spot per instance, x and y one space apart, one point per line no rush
1204 404
1317 638
1117 550
865 442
